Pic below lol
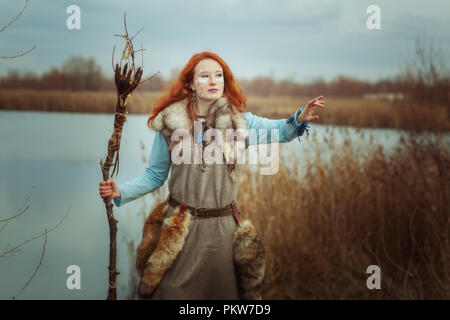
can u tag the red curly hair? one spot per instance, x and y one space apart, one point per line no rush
180 88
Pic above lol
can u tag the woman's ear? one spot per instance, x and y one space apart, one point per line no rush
192 85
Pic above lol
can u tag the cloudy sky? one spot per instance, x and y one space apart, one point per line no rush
297 39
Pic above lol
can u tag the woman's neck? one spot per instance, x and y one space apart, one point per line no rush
201 106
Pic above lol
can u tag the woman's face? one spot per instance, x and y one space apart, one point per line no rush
208 75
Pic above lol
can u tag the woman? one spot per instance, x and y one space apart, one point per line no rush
194 244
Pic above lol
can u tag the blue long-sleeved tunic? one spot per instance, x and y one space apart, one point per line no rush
159 163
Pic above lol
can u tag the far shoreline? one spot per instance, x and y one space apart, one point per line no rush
340 111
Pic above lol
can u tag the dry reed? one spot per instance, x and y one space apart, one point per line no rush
321 231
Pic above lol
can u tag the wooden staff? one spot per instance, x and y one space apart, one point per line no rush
125 85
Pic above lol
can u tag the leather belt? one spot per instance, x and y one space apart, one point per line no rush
209 213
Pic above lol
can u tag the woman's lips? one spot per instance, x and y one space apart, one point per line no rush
213 90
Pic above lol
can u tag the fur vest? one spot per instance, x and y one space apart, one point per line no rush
163 237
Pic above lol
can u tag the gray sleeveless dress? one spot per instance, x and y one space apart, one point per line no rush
204 269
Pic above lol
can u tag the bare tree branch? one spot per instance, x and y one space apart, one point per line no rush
18 212
10 252
37 267
10 23
18 55
13 217
17 17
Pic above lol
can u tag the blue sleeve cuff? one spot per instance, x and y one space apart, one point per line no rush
117 201
300 127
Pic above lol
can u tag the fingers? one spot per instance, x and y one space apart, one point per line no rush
316 102
320 104
315 99
107 185
105 194
105 189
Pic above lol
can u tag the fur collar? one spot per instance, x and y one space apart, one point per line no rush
221 115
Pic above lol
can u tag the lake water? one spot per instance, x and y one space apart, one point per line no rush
58 154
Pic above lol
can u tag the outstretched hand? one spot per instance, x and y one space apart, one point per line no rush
124 83
307 113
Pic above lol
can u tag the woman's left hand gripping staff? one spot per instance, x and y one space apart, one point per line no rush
307 113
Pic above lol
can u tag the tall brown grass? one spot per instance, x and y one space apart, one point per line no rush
357 112
323 230
338 111
73 101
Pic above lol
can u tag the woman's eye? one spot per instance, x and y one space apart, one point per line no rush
219 76
205 76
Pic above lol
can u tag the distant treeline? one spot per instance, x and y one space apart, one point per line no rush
425 82
79 73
